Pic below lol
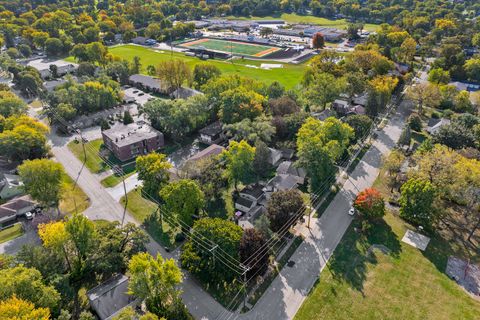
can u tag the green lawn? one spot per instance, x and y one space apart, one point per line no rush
295 18
11 233
94 163
67 204
141 209
403 284
289 75
113 180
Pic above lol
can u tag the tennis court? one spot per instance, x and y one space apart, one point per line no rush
235 47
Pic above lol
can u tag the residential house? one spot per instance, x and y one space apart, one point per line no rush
281 182
360 100
110 297
467 86
340 106
250 204
10 186
212 134
146 83
275 156
324 114
184 93
210 151
15 208
435 124
288 168
129 141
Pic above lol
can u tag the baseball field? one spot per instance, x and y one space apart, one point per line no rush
235 47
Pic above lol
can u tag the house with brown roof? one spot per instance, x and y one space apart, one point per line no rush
15 208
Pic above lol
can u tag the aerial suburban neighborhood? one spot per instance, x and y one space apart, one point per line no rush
254 160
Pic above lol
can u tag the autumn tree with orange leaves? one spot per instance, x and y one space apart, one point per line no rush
370 204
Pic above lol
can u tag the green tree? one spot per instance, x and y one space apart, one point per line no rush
127 117
360 124
153 172
252 251
439 76
204 72
42 179
155 281
240 103
320 144
281 207
472 68
323 88
239 158
415 122
53 47
417 202
27 283
136 65
129 313
199 261
261 161
259 129
184 199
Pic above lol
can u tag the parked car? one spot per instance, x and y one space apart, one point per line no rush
29 215
351 212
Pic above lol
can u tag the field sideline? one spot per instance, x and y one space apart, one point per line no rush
237 47
289 75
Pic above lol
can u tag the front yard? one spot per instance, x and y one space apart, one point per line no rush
72 197
11 233
141 209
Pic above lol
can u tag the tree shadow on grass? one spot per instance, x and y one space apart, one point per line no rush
349 263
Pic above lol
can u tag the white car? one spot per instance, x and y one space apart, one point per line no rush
351 212
29 215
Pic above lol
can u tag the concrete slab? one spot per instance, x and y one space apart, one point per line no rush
416 240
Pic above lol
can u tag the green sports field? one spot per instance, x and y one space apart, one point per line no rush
237 48
289 76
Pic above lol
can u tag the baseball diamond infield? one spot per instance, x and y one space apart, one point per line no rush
236 47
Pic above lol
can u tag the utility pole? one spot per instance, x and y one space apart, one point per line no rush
245 270
82 141
212 250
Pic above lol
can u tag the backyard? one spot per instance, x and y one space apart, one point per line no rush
289 76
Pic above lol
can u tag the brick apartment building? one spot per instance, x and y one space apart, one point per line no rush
129 141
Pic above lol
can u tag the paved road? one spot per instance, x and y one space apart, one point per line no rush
288 291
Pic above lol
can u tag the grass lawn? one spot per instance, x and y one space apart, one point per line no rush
296 18
11 233
141 209
289 75
405 283
67 204
94 163
113 180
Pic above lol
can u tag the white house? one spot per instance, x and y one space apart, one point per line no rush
435 124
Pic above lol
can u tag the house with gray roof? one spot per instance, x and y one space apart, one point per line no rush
288 168
10 186
110 297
